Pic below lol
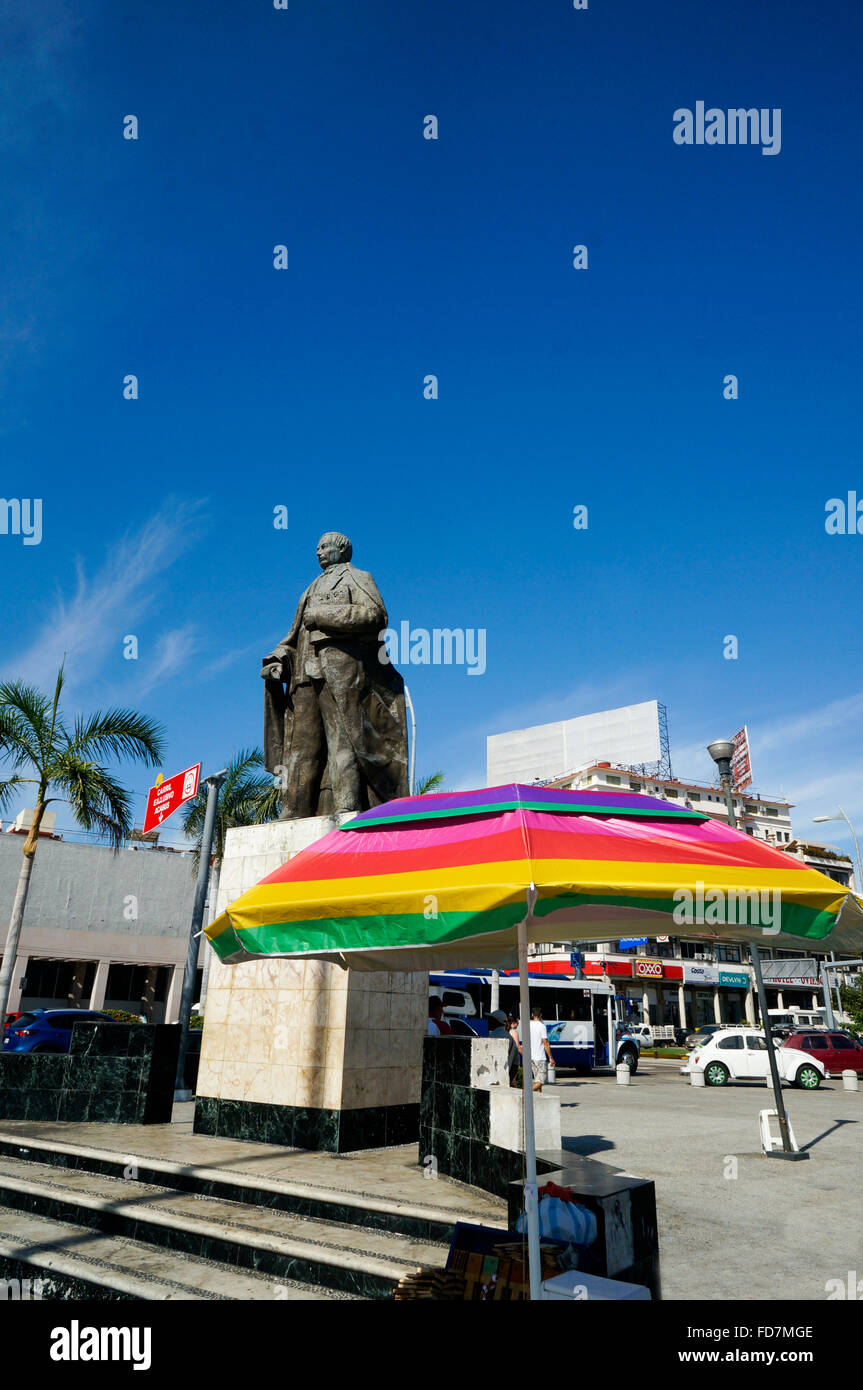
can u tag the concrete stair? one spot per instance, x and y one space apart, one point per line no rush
94 1233
70 1261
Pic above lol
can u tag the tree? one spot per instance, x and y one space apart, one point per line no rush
65 765
246 797
851 997
431 783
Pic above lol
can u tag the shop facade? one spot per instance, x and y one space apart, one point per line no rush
678 994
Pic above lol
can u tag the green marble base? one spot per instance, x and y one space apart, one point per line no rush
295 1127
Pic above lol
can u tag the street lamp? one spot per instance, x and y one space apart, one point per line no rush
721 751
817 820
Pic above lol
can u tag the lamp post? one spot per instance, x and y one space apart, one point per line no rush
818 820
412 767
213 784
721 751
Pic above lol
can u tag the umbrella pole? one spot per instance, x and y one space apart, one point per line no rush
788 1150
531 1203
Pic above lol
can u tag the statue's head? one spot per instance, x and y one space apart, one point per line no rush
333 549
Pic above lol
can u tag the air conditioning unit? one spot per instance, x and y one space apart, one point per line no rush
700 955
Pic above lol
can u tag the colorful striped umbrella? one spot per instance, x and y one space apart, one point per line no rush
436 880
469 877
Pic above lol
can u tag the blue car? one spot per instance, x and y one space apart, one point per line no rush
47 1030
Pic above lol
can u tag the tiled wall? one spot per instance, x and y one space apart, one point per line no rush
310 1034
455 1117
290 1045
121 1073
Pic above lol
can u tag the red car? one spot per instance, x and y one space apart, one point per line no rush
837 1051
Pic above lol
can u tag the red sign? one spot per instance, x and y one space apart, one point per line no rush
741 762
167 797
608 967
648 969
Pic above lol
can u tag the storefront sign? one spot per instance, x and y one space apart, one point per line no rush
798 982
694 973
629 943
648 969
734 979
802 973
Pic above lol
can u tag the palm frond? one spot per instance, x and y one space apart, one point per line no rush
430 783
24 724
119 733
96 799
245 798
8 788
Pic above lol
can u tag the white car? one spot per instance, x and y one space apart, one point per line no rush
740 1054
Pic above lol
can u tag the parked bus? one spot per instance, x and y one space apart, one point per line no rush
580 1015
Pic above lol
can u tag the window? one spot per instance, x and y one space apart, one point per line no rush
841 1044
670 792
728 953
689 949
771 811
612 781
733 1044
635 786
756 1044
811 1043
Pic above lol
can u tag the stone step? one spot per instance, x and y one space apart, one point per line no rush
429 1220
72 1261
334 1255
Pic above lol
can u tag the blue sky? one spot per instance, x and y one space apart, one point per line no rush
557 387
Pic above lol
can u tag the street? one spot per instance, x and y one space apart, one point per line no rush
732 1223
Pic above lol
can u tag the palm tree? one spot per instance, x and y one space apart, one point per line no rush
43 752
430 783
246 797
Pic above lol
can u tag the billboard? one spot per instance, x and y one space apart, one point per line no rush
741 762
628 735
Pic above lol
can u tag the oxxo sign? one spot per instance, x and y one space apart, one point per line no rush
648 969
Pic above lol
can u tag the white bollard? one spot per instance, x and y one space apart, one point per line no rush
552 1074
624 1075
696 1077
850 1081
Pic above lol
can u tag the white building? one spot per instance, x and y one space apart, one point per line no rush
766 817
679 982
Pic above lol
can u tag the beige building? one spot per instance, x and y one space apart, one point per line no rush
101 929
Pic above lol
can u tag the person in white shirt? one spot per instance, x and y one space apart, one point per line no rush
540 1052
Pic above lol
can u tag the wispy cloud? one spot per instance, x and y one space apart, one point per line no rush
173 656
90 626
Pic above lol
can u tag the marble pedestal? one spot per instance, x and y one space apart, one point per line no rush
301 1052
471 1121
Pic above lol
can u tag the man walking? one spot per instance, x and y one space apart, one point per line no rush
540 1052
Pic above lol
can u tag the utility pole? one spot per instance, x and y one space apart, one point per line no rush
181 1092
412 768
721 752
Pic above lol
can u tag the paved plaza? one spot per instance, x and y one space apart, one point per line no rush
732 1224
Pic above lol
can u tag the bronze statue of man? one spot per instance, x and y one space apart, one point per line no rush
335 730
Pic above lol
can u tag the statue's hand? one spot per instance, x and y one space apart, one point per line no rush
271 671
